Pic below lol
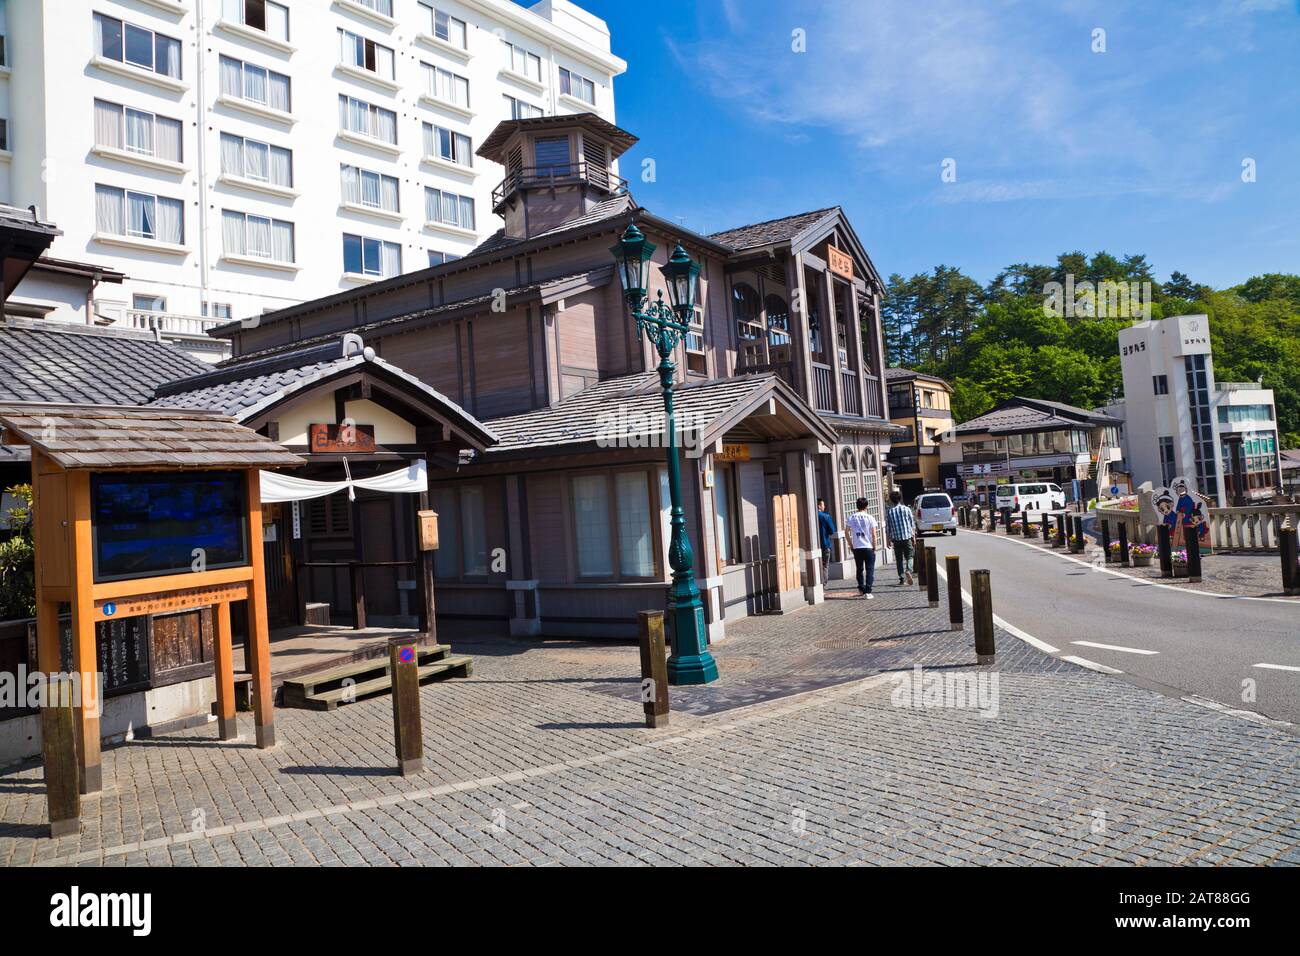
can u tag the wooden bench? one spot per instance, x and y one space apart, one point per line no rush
346 683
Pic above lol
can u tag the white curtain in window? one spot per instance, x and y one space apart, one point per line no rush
466 212
391 263
430 146
386 125
232 155
370 188
281 241
279 92
167 57
357 117
277 21
256 161
140 215
384 62
432 205
350 183
167 139
232 77
389 193
232 232
429 79
108 124
281 166
139 132
259 236
108 210
635 542
254 84
473 533
170 215
591 521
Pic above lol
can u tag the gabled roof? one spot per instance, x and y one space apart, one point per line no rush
620 139
43 361
246 389
1031 414
632 405
771 230
107 437
907 375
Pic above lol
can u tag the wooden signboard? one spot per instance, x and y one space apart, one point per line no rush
785 520
733 453
840 263
106 608
347 439
428 530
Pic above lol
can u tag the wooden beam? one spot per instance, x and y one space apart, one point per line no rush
84 659
259 638
225 675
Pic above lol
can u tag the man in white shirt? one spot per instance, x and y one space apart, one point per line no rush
861 529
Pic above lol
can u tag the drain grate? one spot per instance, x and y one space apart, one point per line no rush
854 644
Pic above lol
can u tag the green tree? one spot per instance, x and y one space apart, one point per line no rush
18 559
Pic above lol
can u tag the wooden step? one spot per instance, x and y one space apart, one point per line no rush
359 670
308 694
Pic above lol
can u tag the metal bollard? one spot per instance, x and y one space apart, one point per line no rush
1024 522
981 594
918 559
404 665
1060 531
931 577
953 570
1192 542
654 667
1288 545
1105 539
59 756
1076 534
1123 543
1006 520
1166 555
1047 528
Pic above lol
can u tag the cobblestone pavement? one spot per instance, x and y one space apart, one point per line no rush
811 749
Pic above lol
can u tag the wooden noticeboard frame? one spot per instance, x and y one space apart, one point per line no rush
785 522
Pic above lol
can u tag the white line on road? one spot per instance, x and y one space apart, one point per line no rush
1114 647
1279 667
1005 625
1092 666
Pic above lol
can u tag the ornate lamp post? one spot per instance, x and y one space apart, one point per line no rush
664 324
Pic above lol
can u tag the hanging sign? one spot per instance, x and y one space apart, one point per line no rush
839 262
348 439
733 453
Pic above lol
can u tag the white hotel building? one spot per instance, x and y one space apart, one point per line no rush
232 157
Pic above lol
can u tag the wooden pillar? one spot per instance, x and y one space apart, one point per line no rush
832 325
84 659
224 672
58 747
259 636
408 734
654 668
424 573
800 352
860 356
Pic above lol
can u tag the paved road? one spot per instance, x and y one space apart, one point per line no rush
1195 644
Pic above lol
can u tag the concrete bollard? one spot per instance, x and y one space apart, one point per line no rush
1192 542
404 665
953 570
981 593
931 577
59 756
654 667
1166 554
1123 544
1288 545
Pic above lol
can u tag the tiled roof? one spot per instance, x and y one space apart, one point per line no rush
98 436
605 209
1019 414
905 374
43 361
773 230
620 139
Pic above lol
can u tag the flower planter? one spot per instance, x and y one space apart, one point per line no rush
1140 560
1180 570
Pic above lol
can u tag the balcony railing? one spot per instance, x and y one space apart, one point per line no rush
875 408
173 324
823 388
560 174
783 370
850 386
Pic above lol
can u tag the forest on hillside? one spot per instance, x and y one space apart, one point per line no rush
1002 339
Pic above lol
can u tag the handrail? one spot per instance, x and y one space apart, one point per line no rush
558 174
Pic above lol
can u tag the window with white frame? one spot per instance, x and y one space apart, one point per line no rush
216 310
269 17
448 208
518 60
445 85
137 131
447 144
363 187
366 119
440 24
253 159
612 525
577 86
126 212
365 54
519 109
257 237
255 84
371 257
379 6
127 43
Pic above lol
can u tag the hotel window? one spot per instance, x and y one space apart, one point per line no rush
366 188
371 257
448 208
448 144
693 341
366 119
518 60
437 258
258 237
364 54
271 18
384 7
445 85
442 25
137 131
518 109
128 43
125 212
148 302
216 310
1198 401
255 84
252 159
579 87
1160 384
1167 462
613 525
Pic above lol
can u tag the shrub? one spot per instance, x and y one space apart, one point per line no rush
18 560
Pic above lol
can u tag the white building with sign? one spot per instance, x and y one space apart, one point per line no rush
1179 421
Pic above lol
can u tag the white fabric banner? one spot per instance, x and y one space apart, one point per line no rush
276 487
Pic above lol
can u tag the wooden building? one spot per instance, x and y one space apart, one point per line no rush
922 404
559 527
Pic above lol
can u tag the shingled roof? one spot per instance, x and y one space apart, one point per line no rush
43 361
1026 415
770 231
105 437
605 209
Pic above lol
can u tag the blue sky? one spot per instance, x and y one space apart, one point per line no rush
1056 147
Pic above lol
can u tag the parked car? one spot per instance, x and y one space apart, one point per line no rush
1030 496
935 512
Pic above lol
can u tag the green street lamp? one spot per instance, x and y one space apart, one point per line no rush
664 324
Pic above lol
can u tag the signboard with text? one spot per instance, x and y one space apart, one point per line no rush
346 438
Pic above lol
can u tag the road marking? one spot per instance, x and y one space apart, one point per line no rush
1005 625
1091 665
1278 667
1227 711
1116 647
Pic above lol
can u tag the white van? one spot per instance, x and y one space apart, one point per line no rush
1030 496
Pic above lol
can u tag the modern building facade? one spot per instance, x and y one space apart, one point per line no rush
233 157
1179 421
1032 440
923 405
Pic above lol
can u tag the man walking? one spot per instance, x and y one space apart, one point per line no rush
826 531
901 531
861 528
